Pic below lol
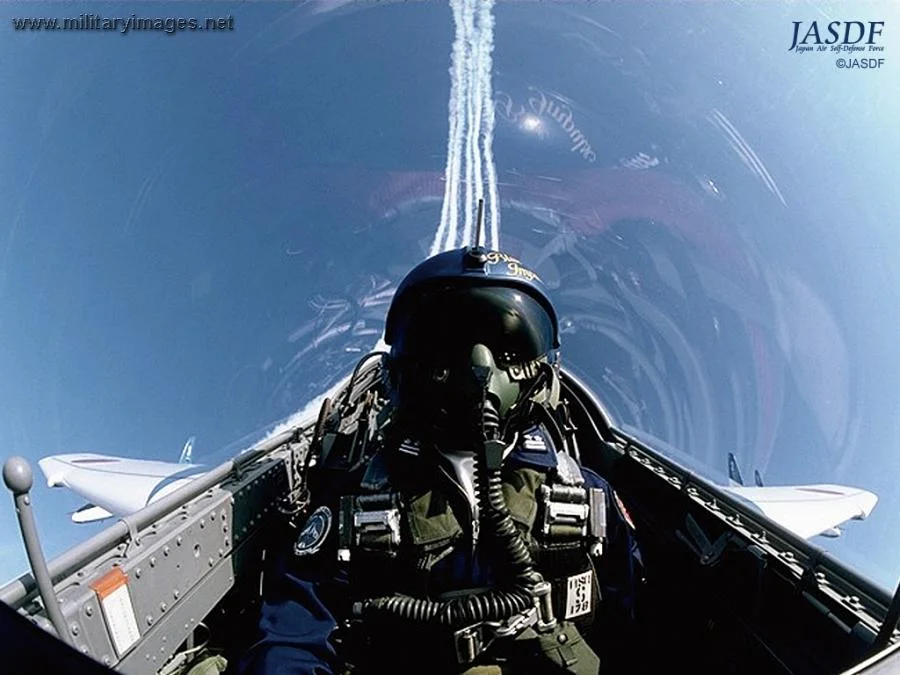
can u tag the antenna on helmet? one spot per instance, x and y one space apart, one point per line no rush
479 223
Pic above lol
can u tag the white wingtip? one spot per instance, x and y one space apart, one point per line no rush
53 470
90 513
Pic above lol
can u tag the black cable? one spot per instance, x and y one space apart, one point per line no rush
497 604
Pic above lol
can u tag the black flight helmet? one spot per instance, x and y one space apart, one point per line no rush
465 325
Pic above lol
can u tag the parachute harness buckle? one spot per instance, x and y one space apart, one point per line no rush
473 640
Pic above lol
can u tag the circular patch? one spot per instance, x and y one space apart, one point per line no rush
314 533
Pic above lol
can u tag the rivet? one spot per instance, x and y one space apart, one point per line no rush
563 638
89 610
211 562
202 524
175 594
152 562
74 629
163 607
221 553
178 541
106 660
149 620
166 550
138 572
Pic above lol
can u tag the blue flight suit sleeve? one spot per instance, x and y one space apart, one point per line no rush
621 568
295 625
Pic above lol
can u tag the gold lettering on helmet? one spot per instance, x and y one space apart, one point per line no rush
513 265
519 271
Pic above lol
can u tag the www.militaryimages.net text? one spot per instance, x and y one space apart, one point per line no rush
124 25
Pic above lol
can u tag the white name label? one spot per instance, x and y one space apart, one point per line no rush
118 612
579 594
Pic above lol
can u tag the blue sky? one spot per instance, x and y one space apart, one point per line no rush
195 229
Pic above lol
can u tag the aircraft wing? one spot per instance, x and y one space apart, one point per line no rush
805 510
115 485
808 510
90 513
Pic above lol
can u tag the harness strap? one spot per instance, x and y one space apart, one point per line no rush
370 523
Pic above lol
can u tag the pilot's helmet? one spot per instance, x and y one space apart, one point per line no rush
460 311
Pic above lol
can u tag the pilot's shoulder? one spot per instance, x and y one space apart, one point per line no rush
535 449
594 480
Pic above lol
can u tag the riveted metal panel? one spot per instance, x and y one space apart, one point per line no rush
160 641
177 569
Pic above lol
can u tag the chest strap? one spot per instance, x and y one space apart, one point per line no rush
573 514
370 523
568 515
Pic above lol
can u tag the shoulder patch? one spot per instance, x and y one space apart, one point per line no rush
314 533
623 511
534 441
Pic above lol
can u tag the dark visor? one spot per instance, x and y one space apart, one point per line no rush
446 323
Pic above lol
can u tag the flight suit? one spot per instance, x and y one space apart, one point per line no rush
307 623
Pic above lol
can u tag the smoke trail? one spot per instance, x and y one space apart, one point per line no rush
464 84
471 75
471 119
493 206
450 207
481 50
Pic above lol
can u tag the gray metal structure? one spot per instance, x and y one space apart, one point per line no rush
18 477
179 557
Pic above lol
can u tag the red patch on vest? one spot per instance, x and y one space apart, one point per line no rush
625 514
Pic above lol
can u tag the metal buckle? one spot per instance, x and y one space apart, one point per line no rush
597 523
471 641
385 521
565 506
364 519
517 623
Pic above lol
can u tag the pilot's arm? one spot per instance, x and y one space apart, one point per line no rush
620 573
295 623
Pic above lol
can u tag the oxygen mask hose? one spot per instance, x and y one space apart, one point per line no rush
497 604
510 549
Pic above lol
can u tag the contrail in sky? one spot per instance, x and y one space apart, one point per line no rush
470 159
